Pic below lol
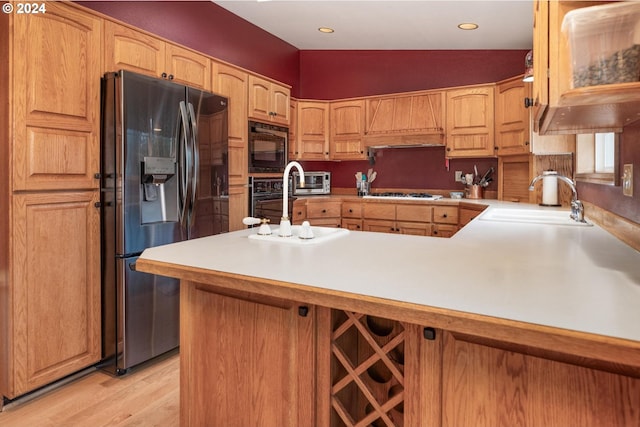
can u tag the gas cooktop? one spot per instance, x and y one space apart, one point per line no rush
402 196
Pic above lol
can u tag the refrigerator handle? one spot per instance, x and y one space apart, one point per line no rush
196 162
184 164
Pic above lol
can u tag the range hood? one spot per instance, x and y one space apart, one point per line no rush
404 141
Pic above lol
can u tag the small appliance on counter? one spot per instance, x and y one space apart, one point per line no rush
315 183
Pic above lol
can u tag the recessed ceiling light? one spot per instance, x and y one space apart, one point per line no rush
325 30
467 26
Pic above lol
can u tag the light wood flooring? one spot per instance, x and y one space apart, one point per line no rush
147 396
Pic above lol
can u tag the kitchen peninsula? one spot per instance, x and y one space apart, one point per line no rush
505 323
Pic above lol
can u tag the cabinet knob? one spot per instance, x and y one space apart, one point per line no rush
526 143
324 211
528 102
435 231
163 75
303 311
448 148
170 76
350 210
444 215
97 175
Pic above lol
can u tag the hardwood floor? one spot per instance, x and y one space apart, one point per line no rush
147 397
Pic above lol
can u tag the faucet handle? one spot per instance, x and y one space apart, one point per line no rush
249 220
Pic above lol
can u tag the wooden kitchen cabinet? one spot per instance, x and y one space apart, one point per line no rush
270 361
293 130
397 218
312 130
55 100
558 108
50 253
470 121
324 212
405 119
268 101
233 83
352 215
514 134
467 212
445 221
512 117
347 130
130 49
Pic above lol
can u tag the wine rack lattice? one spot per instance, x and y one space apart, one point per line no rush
367 370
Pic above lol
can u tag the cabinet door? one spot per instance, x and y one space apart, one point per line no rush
379 226
269 363
512 117
56 99
268 102
445 214
347 130
470 122
293 129
414 228
416 213
379 211
280 104
313 130
233 83
56 286
187 67
128 49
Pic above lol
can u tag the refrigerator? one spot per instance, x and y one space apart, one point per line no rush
164 178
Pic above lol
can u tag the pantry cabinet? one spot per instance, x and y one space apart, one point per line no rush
470 121
49 161
268 101
233 83
559 108
133 50
347 130
312 130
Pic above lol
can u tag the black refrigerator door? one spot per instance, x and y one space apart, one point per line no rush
147 195
209 213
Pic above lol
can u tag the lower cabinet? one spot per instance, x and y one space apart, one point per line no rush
50 307
250 359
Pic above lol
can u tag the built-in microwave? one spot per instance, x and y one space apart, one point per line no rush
314 183
267 147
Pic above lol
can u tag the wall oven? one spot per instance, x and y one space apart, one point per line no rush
267 147
265 198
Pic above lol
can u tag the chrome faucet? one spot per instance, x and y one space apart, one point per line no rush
577 208
285 223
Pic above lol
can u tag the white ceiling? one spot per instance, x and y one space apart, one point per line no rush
391 25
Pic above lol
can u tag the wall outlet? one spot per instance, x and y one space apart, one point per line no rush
458 176
627 180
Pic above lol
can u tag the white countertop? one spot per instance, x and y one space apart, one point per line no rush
576 278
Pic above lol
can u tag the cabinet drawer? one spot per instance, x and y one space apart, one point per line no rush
326 222
323 210
414 228
445 214
299 213
351 210
379 211
419 213
352 224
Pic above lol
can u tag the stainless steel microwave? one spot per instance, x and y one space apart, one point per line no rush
267 147
314 183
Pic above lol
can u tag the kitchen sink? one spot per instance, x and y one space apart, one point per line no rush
533 216
320 235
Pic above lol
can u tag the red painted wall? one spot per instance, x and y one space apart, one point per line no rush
333 74
211 29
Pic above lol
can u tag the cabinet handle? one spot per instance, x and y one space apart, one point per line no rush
528 102
435 231
97 204
163 75
350 210
526 143
448 148
303 311
324 211
170 76
444 215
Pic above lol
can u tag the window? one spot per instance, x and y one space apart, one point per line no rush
597 158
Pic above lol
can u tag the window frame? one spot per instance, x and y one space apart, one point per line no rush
585 161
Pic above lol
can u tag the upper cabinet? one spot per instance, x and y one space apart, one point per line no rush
470 121
312 133
405 119
511 117
559 108
347 130
55 100
268 101
129 49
